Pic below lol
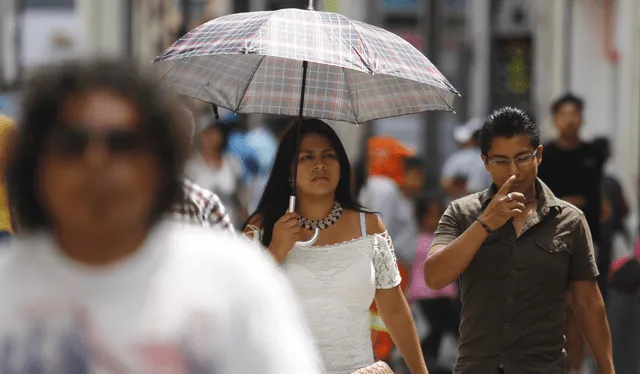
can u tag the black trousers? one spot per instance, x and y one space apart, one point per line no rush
603 261
443 315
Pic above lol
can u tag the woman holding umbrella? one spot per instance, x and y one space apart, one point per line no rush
351 264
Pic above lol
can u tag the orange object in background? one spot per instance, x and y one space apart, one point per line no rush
386 156
380 338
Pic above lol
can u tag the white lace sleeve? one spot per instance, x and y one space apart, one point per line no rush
252 234
384 262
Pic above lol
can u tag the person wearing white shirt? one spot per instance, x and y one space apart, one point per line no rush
464 173
97 281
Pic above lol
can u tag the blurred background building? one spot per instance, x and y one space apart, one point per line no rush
523 53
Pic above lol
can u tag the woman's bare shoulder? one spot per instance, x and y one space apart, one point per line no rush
374 224
254 223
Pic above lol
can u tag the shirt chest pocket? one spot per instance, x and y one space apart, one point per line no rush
550 258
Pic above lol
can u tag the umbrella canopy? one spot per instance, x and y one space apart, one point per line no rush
253 63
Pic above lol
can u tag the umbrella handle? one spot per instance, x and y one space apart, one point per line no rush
314 238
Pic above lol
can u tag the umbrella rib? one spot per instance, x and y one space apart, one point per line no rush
351 95
443 99
364 48
167 72
246 88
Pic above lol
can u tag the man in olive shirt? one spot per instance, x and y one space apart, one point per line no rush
517 250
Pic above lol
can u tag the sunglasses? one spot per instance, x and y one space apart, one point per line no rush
73 142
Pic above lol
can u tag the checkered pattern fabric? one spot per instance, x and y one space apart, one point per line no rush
379 367
252 63
202 207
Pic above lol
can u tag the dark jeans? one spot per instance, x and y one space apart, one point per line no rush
443 315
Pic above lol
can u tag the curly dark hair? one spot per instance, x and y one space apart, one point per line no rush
44 96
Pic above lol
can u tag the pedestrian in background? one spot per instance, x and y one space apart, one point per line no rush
573 170
215 169
198 205
463 173
440 307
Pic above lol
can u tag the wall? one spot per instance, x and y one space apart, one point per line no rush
550 42
102 27
627 141
478 40
593 76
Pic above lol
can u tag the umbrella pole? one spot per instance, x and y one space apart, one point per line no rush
215 111
292 198
299 129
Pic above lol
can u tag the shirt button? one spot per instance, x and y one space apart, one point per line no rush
513 272
510 299
550 246
506 325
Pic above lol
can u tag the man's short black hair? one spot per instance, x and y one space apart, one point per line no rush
508 122
567 99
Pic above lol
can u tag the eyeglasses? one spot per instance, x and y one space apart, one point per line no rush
520 162
73 142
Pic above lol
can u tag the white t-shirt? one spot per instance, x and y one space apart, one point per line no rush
222 180
189 301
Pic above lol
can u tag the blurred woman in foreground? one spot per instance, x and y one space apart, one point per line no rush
96 281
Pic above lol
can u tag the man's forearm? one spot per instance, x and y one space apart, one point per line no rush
595 329
446 264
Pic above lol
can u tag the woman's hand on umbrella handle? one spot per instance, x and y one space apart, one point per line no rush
314 238
311 241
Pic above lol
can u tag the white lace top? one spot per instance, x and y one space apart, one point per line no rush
336 285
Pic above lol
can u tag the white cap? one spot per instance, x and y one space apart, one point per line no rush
464 133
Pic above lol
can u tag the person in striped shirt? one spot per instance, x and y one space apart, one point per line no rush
199 205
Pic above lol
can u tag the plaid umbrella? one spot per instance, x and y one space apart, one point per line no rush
305 63
355 72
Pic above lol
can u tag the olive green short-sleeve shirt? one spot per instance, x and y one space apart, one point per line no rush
513 290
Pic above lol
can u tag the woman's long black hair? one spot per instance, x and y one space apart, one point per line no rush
275 198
